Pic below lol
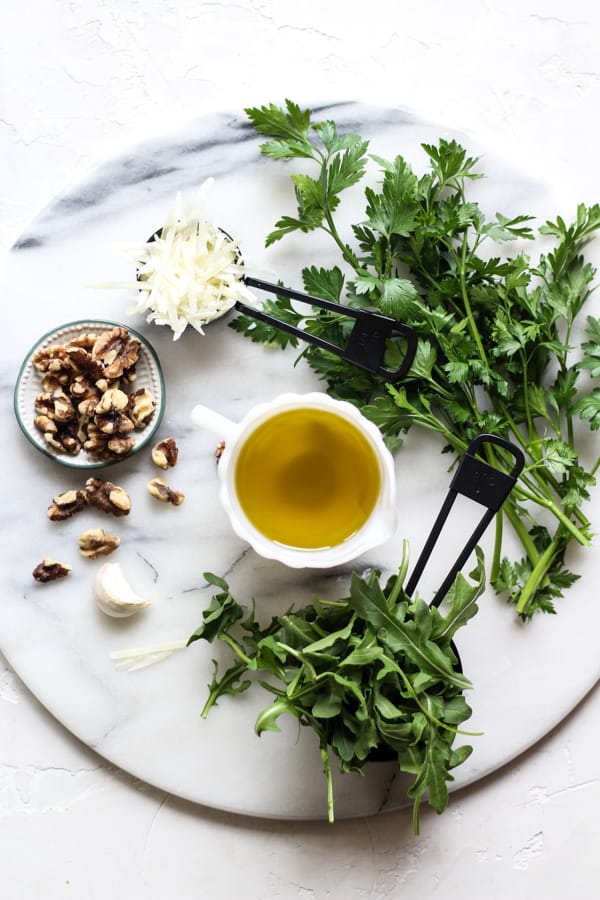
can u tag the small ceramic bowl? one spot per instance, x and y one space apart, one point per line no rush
28 386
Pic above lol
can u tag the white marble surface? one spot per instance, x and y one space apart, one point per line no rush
78 87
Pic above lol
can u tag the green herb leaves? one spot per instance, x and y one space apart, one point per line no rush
374 674
496 330
341 160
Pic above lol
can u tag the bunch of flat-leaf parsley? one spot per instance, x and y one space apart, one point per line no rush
375 674
495 332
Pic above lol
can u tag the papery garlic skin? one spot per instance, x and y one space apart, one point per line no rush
114 595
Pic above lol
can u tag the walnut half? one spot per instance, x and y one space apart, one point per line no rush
159 489
108 497
96 542
65 505
165 453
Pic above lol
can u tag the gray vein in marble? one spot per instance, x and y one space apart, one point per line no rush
150 565
176 161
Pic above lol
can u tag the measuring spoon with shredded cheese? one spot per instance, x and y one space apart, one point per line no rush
191 272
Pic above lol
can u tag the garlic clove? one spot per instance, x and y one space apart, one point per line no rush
114 595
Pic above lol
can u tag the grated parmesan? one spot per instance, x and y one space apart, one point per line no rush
191 273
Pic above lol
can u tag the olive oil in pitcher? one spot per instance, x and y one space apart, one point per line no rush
307 478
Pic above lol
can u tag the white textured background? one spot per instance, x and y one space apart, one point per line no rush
78 80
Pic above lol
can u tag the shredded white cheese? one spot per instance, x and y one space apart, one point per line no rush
141 657
191 273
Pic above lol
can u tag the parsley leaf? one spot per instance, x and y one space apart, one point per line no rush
495 329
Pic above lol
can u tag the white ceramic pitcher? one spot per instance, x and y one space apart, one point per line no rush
376 529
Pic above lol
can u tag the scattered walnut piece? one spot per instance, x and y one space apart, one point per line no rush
65 505
96 542
50 570
159 488
220 449
108 497
165 453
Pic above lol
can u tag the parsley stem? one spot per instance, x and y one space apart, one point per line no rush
332 231
467 303
539 571
544 478
556 511
521 531
495 566
530 427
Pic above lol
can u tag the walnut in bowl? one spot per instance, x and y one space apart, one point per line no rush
90 393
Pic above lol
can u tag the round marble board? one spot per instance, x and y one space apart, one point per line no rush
526 678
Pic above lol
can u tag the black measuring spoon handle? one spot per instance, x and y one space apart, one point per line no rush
488 486
366 345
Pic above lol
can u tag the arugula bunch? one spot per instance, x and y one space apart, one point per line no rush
375 674
495 349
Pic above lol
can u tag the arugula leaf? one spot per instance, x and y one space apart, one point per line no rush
461 601
409 638
373 674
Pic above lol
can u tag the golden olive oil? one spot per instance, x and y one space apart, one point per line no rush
307 478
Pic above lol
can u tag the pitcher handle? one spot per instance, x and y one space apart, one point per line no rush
219 425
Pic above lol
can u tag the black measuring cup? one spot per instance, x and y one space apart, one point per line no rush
489 487
369 337
481 482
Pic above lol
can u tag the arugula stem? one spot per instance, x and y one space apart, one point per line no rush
329 779
415 818
230 677
301 658
400 577
236 648
289 623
